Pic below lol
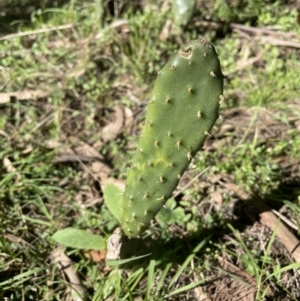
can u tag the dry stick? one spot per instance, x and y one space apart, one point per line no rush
260 30
116 24
77 158
190 182
32 32
283 218
268 218
290 241
279 42
65 264
244 65
268 36
22 95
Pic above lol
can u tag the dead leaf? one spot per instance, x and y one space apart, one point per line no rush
119 183
10 168
76 73
65 264
85 149
217 199
165 31
73 158
215 178
235 284
128 119
8 165
200 295
22 95
95 255
81 152
289 240
27 150
52 144
15 239
120 25
100 170
114 128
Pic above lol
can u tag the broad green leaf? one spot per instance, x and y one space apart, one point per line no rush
113 198
79 239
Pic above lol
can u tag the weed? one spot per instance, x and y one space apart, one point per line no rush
83 58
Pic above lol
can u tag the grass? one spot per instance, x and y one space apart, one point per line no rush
88 62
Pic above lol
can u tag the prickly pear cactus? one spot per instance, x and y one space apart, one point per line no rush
183 11
181 112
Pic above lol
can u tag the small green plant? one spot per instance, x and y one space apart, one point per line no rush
182 110
88 57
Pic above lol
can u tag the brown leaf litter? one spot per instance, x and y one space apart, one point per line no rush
230 281
23 95
234 284
113 128
75 290
259 126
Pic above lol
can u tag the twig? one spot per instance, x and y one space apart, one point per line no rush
65 264
22 95
76 158
37 31
191 182
116 24
7 164
267 36
279 42
244 65
288 239
257 30
282 217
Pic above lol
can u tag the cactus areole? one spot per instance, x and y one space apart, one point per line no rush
182 110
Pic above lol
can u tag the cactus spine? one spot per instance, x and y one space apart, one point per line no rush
181 112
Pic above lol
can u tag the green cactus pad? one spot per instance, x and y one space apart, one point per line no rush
181 112
183 11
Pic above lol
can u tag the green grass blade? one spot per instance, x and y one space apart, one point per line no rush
151 276
114 263
162 278
245 248
133 282
187 261
295 265
185 288
18 279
